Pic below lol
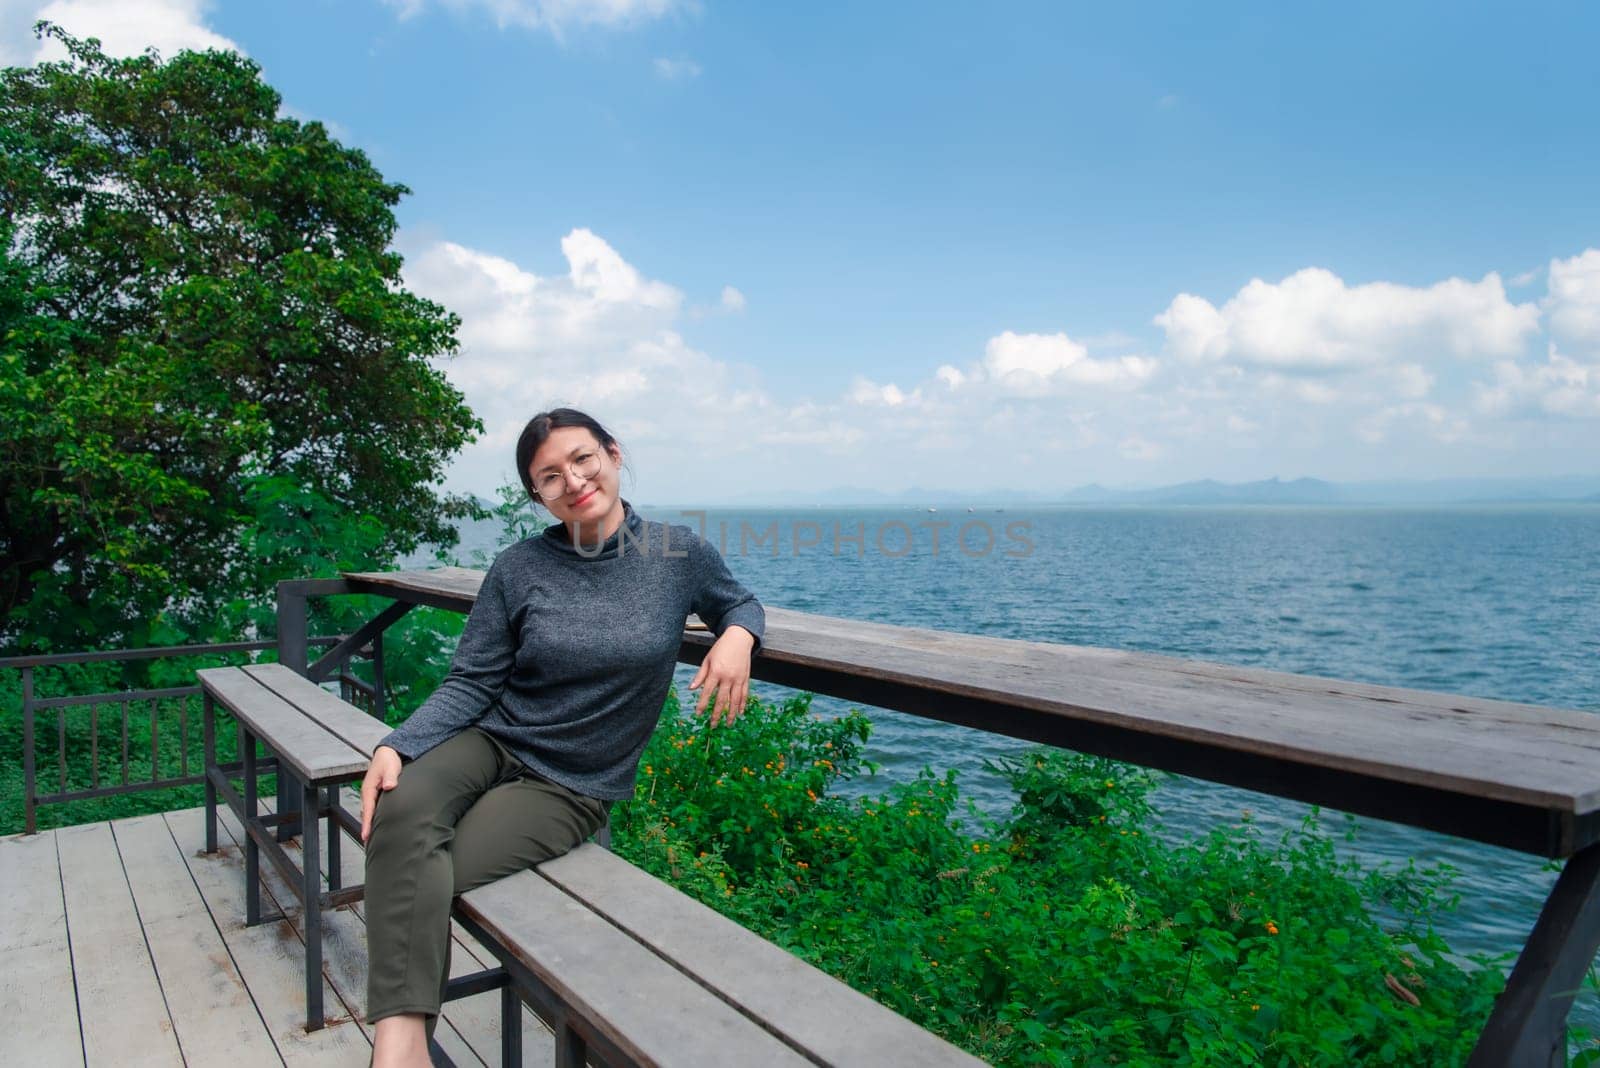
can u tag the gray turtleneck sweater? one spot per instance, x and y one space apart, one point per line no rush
568 653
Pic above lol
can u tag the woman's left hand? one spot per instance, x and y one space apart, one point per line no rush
725 673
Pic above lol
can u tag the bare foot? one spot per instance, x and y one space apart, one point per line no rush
401 1042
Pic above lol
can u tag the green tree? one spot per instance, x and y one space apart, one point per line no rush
198 299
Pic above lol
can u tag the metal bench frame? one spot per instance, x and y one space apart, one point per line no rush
319 796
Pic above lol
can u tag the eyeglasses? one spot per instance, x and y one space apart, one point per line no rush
583 466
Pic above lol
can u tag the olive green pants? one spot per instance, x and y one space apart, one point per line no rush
462 814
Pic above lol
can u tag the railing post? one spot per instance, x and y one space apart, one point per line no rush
292 625
377 677
1528 1025
29 788
292 628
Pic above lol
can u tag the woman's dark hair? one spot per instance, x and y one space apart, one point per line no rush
538 430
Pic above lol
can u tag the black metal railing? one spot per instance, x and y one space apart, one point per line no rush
124 741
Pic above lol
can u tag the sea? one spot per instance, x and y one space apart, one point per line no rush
1498 601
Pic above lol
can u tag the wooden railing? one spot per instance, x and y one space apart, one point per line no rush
1521 776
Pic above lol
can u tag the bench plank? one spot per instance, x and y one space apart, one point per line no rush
454 588
211 1007
828 1020
1456 742
1516 775
36 983
316 755
127 1021
639 1001
354 727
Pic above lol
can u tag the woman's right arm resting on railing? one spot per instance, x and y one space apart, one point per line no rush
483 661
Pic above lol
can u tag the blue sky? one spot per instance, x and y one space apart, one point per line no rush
1023 246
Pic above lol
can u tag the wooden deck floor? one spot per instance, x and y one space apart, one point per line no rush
123 943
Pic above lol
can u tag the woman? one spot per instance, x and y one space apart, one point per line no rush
556 685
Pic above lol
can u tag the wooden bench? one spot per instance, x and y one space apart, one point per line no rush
622 967
321 743
1525 777
629 970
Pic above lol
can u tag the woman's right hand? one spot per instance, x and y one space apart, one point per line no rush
382 774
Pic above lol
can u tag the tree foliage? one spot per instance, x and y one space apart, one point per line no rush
199 306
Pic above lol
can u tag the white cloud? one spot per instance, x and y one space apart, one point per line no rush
555 16
865 392
596 269
600 335
1431 420
1561 386
676 70
732 300
1134 447
1313 321
1574 301
124 27
1028 361
1411 380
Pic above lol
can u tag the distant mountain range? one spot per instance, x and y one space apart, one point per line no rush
1299 491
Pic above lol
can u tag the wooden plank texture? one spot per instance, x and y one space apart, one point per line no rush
269 957
455 588
210 1005
124 1014
1526 756
351 725
38 1006
316 755
638 1000
808 1008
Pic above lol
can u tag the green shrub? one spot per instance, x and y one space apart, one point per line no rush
1066 933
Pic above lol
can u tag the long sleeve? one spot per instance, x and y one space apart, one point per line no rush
483 662
720 600
568 654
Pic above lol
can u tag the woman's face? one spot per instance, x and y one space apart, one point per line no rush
590 507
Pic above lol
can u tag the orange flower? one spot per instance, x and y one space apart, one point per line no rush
1272 928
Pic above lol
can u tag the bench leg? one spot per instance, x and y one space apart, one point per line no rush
510 1027
209 720
252 812
333 840
293 627
288 807
570 1050
1528 1025
311 872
